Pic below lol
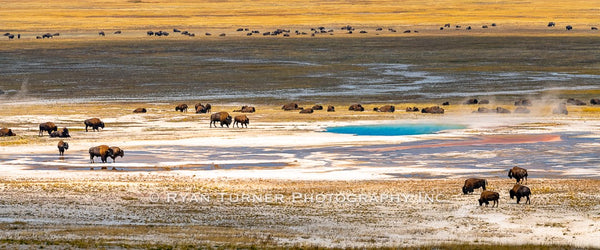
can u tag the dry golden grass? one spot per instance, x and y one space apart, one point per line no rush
41 15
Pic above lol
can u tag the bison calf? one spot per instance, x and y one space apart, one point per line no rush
520 191
473 183
241 119
62 146
518 173
487 196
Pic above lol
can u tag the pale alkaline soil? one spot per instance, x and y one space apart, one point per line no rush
370 69
105 209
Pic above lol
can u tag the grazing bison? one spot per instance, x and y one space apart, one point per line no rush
487 196
140 110
433 110
290 106
241 119
472 184
356 107
181 107
116 152
246 109
95 123
518 173
520 191
6 132
306 111
330 108
62 146
48 127
222 117
317 107
561 109
102 151
595 101
62 133
200 109
385 108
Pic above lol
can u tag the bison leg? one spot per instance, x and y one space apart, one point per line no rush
86 128
91 158
528 201
495 203
518 199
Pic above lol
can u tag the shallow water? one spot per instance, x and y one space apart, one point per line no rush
379 69
393 129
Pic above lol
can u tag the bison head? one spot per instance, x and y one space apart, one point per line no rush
510 173
228 120
465 190
512 193
481 201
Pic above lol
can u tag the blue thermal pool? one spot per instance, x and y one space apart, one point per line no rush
393 129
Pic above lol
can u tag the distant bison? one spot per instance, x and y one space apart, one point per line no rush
101 151
484 101
487 196
576 102
471 101
412 109
330 108
501 110
523 102
290 106
306 111
433 110
356 107
62 146
241 119
246 109
48 127
595 101
63 133
472 184
95 123
518 173
116 151
222 117
317 107
385 108
139 110
6 132
181 107
520 191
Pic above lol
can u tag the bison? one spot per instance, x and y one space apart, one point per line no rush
246 109
290 106
433 110
473 183
356 107
487 196
385 108
501 110
595 101
518 173
520 191
471 101
306 111
241 119
181 107
576 102
523 102
102 151
62 146
48 127
95 123
222 117
139 110
317 107
116 151
63 133
330 108
6 132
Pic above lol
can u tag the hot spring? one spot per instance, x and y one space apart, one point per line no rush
393 129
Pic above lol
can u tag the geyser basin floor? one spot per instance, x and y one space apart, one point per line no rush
393 129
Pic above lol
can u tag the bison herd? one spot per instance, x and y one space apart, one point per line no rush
519 191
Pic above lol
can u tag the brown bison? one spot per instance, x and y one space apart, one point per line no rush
317 107
520 191
501 110
62 146
181 107
330 108
386 108
471 101
576 102
595 101
518 173
356 107
63 133
487 196
140 110
306 111
48 127
241 119
473 183
95 123
202 109
102 151
222 117
6 132
246 109
116 152
433 110
290 106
